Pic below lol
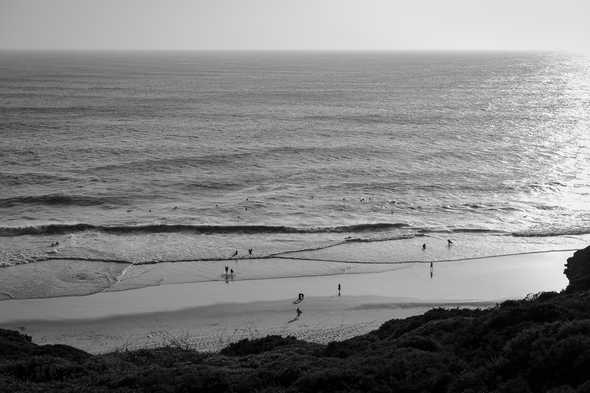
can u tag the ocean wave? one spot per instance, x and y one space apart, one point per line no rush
553 232
17 179
53 229
59 200
460 230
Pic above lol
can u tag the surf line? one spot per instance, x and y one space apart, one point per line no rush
425 261
285 256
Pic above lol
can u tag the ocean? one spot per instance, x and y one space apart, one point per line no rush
147 157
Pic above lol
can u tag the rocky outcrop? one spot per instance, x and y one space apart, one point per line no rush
577 270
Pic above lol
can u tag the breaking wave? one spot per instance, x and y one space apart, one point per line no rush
53 229
59 200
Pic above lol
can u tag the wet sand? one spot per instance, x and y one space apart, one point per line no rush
209 315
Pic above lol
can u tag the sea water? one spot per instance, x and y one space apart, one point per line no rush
155 157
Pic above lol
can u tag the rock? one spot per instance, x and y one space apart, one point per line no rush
577 270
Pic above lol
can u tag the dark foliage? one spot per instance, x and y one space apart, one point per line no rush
539 344
577 270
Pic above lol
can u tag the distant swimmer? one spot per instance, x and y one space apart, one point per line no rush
449 242
424 247
235 254
339 288
250 251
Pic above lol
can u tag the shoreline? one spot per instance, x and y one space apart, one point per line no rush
111 283
157 315
210 328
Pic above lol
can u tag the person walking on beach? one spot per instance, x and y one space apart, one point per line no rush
339 288
226 269
231 273
250 251
431 269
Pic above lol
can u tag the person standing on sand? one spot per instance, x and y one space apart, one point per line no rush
431 269
339 288
226 269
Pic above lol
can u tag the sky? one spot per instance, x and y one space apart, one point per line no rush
296 24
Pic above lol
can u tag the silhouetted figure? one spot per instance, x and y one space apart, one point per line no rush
299 298
424 247
231 273
299 312
235 254
431 269
449 242
339 288
226 269
250 251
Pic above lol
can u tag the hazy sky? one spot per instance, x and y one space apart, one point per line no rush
295 24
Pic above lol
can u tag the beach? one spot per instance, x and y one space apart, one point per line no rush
209 315
132 184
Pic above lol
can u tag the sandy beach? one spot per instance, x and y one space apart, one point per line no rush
209 315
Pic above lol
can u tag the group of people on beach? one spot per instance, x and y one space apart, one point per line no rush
235 254
229 274
301 297
449 244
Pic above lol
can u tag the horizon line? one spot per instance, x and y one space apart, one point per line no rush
375 50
